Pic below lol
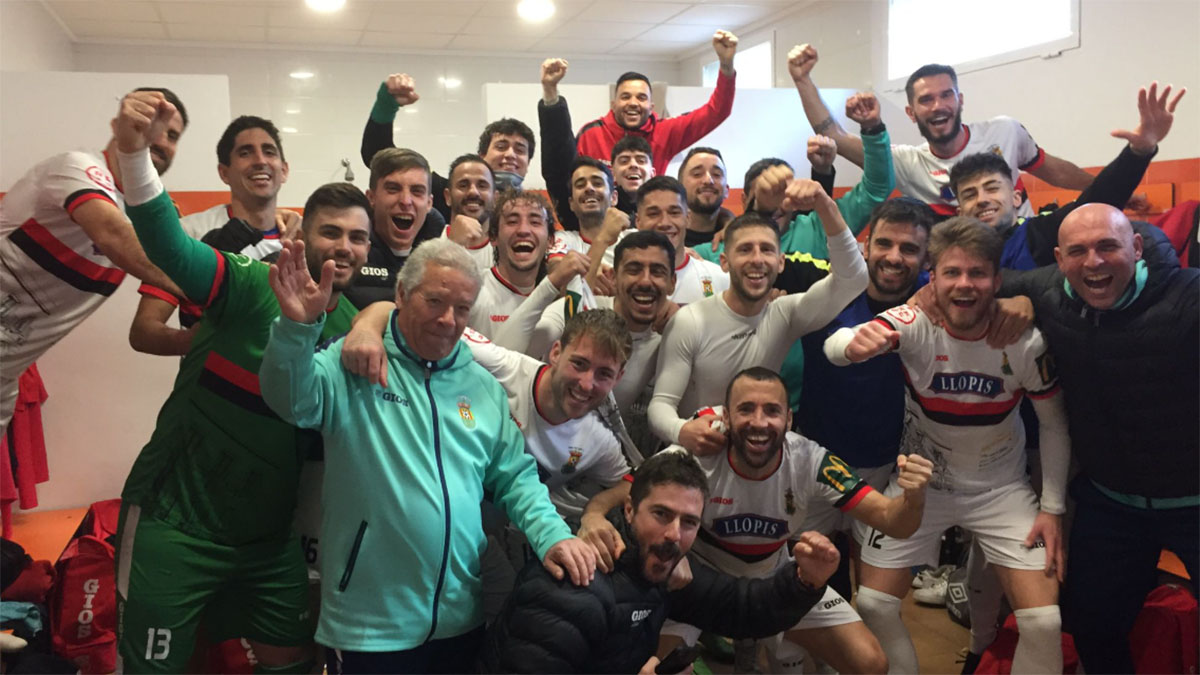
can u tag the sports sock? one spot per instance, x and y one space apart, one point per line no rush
1039 647
787 656
881 613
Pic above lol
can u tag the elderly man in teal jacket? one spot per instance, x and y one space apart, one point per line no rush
407 465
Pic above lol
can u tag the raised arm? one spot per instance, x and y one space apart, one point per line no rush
394 93
879 176
557 141
801 60
684 130
1061 173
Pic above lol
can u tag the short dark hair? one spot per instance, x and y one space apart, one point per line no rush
469 158
698 150
631 142
662 184
634 75
640 239
506 126
607 329
172 98
584 160
969 234
747 220
511 196
977 164
758 374
928 70
760 166
390 160
902 210
667 467
334 196
225 144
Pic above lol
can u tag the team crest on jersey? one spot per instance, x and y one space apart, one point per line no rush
573 460
904 314
707 283
995 150
1004 367
101 177
836 474
789 502
967 383
464 411
750 525
1046 369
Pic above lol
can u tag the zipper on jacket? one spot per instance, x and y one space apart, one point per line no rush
345 581
437 452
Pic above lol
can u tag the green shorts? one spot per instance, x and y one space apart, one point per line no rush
169 582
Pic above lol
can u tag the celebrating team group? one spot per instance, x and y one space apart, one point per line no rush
517 434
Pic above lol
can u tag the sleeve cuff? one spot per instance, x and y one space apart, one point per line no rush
384 110
140 178
874 131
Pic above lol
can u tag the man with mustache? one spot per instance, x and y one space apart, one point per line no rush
962 413
471 194
935 105
612 625
633 113
763 486
207 509
67 245
250 161
708 342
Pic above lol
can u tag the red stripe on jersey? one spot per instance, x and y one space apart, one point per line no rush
1045 393
61 252
536 380
952 407
233 373
627 477
944 209
854 501
502 280
156 292
1035 164
218 279
750 549
80 198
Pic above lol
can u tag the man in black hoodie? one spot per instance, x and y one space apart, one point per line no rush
612 625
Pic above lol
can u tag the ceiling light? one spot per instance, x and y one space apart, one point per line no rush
302 74
292 111
450 82
325 6
535 10
288 130
410 110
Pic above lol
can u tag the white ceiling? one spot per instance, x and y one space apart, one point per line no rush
578 27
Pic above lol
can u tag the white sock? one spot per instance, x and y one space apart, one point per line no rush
1039 647
787 657
984 596
881 613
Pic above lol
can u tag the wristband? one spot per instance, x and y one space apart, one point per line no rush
138 177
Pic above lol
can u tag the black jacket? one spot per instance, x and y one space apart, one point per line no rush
1130 377
376 280
612 625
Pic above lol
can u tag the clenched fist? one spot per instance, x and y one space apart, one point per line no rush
553 71
870 340
725 45
401 87
821 152
864 109
803 195
143 117
913 473
801 60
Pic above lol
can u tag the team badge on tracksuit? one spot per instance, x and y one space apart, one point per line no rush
464 411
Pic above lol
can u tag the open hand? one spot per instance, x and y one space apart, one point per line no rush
300 298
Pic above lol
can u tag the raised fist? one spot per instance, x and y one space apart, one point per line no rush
803 194
615 222
465 230
864 109
571 265
401 87
870 340
553 71
725 45
801 60
143 117
913 472
821 152
816 558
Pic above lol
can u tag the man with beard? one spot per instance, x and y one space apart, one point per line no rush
67 246
703 176
935 105
400 197
592 200
506 145
709 341
612 625
766 185
250 161
471 194
633 113
961 412
762 488
205 527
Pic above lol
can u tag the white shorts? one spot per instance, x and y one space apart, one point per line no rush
831 610
825 518
1000 519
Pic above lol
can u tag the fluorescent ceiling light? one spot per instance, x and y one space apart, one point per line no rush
450 82
292 111
302 74
410 110
325 6
535 10
288 130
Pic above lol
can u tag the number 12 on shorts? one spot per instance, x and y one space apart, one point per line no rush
158 643
874 539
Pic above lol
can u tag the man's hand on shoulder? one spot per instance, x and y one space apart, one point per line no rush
572 557
597 531
1011 317
816 559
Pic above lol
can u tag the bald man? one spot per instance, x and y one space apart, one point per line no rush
1124 332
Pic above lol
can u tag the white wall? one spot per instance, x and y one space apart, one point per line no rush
1069 103
334 104
31 39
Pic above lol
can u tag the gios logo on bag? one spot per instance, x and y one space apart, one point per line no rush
86 615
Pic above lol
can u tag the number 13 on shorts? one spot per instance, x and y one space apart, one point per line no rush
158 643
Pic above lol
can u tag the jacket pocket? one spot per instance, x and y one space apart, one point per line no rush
345 581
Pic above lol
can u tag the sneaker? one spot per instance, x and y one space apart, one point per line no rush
933 593
927 575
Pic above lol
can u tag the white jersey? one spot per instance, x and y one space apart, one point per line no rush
52 276
747 523
484 254
963 400
697 279
575 459
199 224
569 240
497 299
706 343
922 175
